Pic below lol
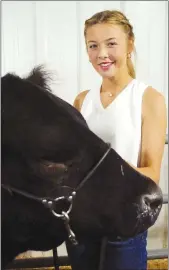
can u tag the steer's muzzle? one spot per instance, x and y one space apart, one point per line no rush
142 213
149 208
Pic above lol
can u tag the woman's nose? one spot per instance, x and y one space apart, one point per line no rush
102 53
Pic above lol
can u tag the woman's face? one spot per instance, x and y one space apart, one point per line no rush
107 48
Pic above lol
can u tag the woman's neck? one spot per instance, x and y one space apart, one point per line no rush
115 85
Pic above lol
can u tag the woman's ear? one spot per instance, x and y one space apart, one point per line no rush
130 46
128 55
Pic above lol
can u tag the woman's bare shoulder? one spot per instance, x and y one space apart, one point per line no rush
79 99
153 99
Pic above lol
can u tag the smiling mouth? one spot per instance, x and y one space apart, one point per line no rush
106 64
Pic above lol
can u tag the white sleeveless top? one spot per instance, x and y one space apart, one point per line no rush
120 122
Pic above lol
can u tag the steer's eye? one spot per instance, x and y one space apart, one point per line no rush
47 168
51 167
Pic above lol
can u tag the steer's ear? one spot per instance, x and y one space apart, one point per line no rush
40 77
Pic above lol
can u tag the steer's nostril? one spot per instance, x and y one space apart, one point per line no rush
152 201
155 204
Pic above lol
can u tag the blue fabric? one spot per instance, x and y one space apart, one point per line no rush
126 255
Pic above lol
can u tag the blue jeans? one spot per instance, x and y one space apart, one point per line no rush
126 255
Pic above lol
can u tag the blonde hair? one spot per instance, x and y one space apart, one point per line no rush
118 18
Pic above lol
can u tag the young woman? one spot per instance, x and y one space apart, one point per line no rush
127 113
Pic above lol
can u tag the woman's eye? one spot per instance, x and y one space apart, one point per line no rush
111 44
93 46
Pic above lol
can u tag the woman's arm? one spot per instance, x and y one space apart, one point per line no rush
154 122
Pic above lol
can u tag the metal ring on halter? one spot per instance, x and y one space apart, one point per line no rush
62 215
50 205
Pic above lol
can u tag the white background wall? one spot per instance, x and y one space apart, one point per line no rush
51 33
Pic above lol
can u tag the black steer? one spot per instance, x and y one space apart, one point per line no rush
47 151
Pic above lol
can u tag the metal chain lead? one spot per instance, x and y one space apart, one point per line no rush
71 234
65 215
